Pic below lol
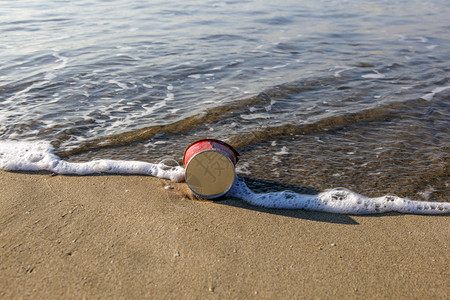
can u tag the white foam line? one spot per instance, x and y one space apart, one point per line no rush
338 200
431 95
38 156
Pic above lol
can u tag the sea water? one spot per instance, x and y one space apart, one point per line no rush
317 94
39 156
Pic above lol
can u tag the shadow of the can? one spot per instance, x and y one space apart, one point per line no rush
263 186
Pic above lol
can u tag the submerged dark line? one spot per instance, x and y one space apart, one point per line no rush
178 127
385 112
189 123
287 90
324 125
382 113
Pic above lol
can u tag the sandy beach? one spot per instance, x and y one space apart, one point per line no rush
133 237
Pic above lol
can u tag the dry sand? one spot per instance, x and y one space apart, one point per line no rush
128 237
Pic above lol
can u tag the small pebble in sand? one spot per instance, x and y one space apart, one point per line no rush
168 187
333 245
177 254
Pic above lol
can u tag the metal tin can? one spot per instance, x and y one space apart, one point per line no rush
210 167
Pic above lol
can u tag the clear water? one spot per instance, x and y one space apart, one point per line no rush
315 94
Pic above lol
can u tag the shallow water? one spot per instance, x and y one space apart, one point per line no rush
316 94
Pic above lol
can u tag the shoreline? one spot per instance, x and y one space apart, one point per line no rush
130 236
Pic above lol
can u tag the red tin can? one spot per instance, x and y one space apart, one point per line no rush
210 167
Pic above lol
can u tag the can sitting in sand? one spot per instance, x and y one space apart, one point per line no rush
209 167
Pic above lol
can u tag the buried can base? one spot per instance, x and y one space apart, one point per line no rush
209 167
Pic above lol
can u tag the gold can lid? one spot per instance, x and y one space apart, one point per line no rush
210 174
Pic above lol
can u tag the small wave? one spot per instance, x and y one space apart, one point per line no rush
258 106
375 75
255 116
38 156
339 69
327 123
122 85
431 95
276 67
209 116
337 200
61 59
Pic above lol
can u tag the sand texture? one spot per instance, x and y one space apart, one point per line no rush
130 237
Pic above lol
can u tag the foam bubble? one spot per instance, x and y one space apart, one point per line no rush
37 156
337 200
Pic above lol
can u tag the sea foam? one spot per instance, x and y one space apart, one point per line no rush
38 156
337 200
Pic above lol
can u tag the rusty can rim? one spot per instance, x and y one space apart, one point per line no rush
236 154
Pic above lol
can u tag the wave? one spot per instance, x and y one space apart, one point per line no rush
334 122
37 156
193 122
253 134
337 200
190 123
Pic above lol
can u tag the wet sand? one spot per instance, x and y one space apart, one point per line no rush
130 237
